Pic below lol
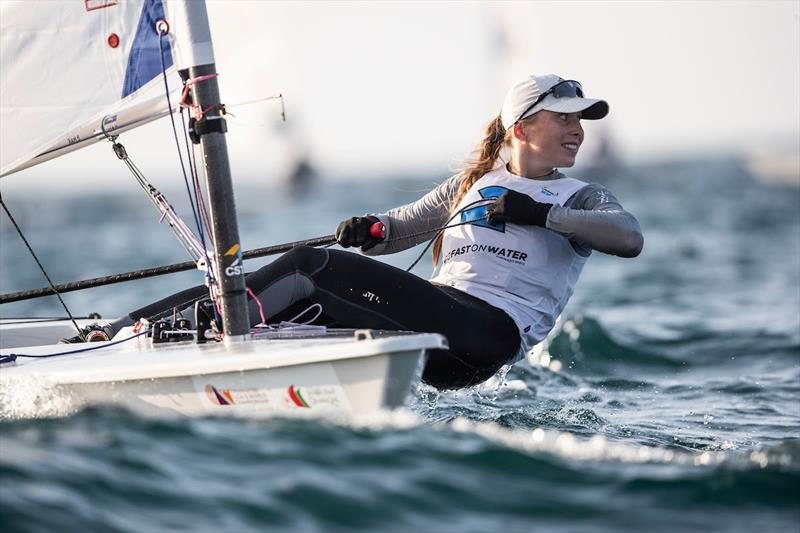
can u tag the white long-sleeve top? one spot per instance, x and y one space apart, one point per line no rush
527 271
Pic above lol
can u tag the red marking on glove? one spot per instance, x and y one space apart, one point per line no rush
377 230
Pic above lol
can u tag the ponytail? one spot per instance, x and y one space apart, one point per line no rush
488 152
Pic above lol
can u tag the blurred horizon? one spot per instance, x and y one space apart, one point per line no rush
399 89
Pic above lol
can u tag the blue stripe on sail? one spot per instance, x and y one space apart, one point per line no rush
144 62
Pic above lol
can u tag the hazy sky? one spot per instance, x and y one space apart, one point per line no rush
406 87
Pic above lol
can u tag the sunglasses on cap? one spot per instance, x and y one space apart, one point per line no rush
562 89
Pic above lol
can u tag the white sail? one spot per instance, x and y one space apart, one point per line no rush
71 67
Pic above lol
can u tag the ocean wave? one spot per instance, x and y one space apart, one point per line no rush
110 469
584 346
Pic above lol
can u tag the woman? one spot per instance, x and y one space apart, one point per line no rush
519 236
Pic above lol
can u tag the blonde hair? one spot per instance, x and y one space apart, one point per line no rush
488 152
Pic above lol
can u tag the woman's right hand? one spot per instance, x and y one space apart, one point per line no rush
518 208
355 231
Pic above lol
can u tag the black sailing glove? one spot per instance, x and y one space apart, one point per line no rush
355 232
518 208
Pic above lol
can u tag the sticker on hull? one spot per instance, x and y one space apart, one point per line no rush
306 390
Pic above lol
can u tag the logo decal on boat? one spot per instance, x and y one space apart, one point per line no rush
296 397
253 397
219 397
235 268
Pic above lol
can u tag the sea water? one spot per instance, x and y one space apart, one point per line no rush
667 399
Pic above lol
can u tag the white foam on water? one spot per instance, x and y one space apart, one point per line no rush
566 445
386 419
499 381
33 397
596 448
599 449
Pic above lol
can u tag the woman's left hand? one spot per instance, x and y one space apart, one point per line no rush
356 231
517 208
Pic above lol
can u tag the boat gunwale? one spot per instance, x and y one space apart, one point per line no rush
184 359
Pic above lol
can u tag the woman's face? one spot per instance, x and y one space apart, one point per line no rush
552 139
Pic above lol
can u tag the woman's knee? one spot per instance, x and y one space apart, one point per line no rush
303 259
307 258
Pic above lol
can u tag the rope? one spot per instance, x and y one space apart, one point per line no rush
41 267
303 312
174 127
197 112
446 226
193 202
258 302
290 324
9 358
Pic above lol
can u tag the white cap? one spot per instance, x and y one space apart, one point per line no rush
524 93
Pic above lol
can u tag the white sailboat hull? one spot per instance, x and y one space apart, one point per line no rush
333 374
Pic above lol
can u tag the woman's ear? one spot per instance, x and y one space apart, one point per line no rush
519 132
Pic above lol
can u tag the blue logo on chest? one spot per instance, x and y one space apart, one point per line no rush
477 215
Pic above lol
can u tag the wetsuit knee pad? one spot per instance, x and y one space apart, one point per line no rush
303 259
308 259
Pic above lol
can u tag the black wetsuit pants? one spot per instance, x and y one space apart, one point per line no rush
358 292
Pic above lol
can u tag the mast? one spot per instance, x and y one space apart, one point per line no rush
227 254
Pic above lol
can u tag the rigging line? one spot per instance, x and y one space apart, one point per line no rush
195 210
204 227
185 235
193 200
306 310
264 99
172 120
258 303
41 267
484 201
198 195
203 223
440 230
199 192
198 198
12 356
211 281
182 232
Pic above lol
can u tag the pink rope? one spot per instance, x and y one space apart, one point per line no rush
258 302
196 111
191 82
